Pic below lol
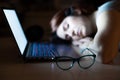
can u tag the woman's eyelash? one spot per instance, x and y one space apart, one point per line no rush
66 27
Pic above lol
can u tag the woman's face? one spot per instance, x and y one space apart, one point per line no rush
74 27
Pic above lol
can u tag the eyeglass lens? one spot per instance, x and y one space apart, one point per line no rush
64 63
84 62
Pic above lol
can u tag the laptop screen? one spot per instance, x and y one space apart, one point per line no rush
16 28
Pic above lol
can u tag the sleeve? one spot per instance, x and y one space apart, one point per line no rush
106 6
110 5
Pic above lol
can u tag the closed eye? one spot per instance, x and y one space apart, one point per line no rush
66 27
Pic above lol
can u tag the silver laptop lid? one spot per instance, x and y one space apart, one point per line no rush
16 29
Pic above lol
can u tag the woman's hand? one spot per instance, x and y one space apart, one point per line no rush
83 43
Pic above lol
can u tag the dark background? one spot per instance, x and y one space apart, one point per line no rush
32 13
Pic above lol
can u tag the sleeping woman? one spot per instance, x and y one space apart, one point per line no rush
91 24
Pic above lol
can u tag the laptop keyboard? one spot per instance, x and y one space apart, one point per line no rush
43 50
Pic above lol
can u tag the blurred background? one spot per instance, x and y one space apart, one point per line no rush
34 15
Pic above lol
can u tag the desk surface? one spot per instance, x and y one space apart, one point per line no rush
12 68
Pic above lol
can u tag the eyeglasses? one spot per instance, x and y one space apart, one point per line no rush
85 61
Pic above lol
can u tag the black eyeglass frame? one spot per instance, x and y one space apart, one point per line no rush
76 60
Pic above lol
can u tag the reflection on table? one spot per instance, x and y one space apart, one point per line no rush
12 67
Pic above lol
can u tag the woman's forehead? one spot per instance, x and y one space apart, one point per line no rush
68 19
73 19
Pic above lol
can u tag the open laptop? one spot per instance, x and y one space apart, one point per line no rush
34 51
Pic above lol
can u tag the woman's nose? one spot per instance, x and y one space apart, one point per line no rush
70 34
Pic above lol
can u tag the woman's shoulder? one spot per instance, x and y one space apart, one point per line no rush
110 5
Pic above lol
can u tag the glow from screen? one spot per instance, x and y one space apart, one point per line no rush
16 29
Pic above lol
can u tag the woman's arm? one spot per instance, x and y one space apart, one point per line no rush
107 38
